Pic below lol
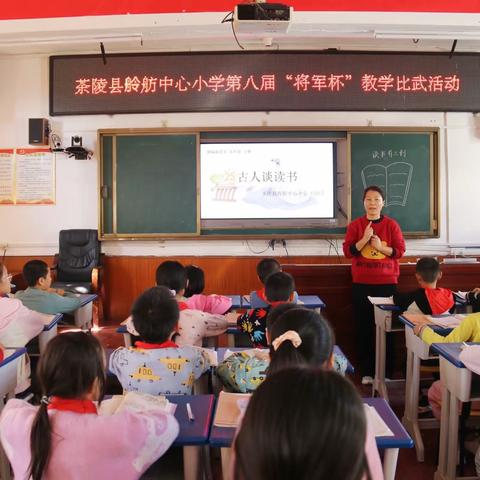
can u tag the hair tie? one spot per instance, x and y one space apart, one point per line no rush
291 336
173 292
45 400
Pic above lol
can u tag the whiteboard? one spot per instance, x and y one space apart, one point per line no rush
463 164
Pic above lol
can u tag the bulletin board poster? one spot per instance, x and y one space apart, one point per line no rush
34 176
7 194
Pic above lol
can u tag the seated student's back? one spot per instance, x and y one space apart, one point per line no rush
265 268
157 365
244 371
18 324
194 297
193 325
428 299
64 438
279 289
39 295
317 430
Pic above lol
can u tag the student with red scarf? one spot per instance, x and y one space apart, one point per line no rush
64 437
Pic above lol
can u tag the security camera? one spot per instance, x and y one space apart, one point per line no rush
77 151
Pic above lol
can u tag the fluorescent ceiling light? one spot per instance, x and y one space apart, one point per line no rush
71 40
447 35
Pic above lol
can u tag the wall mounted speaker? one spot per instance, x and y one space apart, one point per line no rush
38 131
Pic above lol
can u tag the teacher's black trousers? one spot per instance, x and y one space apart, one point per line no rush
365 327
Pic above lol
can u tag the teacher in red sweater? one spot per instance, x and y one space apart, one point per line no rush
374 242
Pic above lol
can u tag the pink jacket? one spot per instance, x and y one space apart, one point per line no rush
120 446
373 457
18 324
209 303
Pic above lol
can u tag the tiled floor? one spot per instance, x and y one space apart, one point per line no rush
408 467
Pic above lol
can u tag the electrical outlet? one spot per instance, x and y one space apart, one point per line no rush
277 241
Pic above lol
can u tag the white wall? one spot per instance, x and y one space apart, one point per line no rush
33 230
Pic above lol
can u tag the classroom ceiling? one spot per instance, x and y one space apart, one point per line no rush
375 31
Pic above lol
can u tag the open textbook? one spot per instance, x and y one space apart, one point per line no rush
230 408
136 402
381 300
260 353
445 321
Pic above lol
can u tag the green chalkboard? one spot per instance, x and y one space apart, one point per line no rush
149 182
402 164
149 185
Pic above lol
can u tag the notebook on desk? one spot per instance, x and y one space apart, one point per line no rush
136 402
260 353
376 423
381 300
230 407
444 321
447 321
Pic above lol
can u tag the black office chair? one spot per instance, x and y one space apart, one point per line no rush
77 265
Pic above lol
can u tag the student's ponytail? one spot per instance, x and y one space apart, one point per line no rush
285 351
40 442
300 337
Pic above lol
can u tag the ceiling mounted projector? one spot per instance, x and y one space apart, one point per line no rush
262 18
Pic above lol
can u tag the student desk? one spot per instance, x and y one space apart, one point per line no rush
456 382
336 349
127 338
308 301
8 372
384 314
196 432
236 301
417 350
193 436
383 324
390 445
84 314
8 382
222 438
49 331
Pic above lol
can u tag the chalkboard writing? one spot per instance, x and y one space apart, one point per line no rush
402 165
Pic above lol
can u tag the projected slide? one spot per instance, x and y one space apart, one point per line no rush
267 180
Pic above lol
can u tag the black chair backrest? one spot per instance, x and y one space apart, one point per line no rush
79 253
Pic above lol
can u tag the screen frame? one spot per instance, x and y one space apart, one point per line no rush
262 223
